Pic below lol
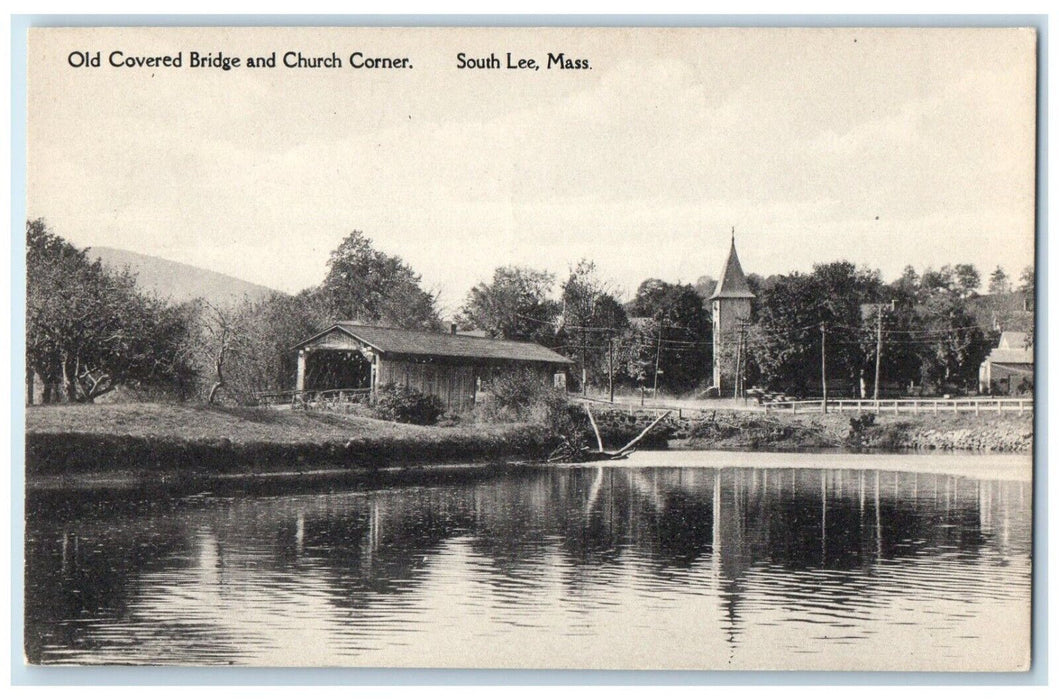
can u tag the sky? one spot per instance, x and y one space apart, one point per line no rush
885 147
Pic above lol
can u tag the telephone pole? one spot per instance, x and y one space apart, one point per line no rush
584 363
878 351
738 363
658 355
878 343
823 362
610 364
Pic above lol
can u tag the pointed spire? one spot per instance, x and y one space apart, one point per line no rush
733 284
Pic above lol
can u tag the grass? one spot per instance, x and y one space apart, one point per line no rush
239 425
199 439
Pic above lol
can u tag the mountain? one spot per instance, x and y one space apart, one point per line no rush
178 282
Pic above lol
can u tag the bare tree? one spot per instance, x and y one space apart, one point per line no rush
223 335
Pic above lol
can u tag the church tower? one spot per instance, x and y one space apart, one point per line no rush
731 312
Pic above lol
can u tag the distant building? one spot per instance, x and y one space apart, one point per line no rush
1009 367
731 312
1011 311
452 367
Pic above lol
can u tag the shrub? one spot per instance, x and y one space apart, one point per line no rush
518 392
404 404
859 424
522 397
517 396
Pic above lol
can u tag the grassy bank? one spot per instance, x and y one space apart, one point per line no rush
721 429
992 433
71 446
181 438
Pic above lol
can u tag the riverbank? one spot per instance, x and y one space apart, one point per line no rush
993 467
130 443
187 447
738 430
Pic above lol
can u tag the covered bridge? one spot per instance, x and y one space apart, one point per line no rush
450 366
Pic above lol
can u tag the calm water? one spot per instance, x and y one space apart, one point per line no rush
601 568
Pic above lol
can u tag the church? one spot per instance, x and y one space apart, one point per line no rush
730 303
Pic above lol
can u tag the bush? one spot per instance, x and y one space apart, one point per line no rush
859 424
522 397
519 392
404 404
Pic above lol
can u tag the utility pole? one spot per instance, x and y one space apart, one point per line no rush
610 364
584 362
738 373
658 355
823 361
742 365
878 350
743 326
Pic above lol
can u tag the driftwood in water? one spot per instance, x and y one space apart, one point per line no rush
567 452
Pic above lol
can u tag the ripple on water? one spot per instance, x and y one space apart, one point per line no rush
693 568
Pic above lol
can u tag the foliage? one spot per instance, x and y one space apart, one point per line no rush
403 404
929 335
521 396
590 315
366 285
514 305
785 340
514 394
676 335
998 282
951 345
967 280
89 331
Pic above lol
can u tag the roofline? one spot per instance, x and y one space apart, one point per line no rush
733 295
334 326
339 326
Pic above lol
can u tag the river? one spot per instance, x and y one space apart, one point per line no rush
802 562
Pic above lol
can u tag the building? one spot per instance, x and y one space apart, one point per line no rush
453 367
731 313
1009 367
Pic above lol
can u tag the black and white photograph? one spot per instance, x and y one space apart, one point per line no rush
600 348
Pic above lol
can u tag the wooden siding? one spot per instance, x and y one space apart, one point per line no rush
453 383
456 384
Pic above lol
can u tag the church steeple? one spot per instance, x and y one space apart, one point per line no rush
733 284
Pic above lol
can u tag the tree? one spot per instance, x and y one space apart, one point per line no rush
705 286
590 314
1027 284
950 344
785 340
514 305
89 331
367 285
223 335
967 280
676 335
935 280
998 282
247 349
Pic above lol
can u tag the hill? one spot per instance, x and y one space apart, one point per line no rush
179 282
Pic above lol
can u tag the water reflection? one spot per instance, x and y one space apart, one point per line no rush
693 568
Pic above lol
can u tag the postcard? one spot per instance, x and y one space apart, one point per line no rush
531 347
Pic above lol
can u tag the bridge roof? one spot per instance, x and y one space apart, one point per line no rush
399 341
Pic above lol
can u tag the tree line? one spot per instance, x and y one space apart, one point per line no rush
91 330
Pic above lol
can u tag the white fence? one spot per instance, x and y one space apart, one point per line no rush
975 405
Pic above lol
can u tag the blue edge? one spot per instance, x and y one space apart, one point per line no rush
22 674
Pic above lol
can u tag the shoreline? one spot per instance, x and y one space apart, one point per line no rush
994 466
990 466
167 448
